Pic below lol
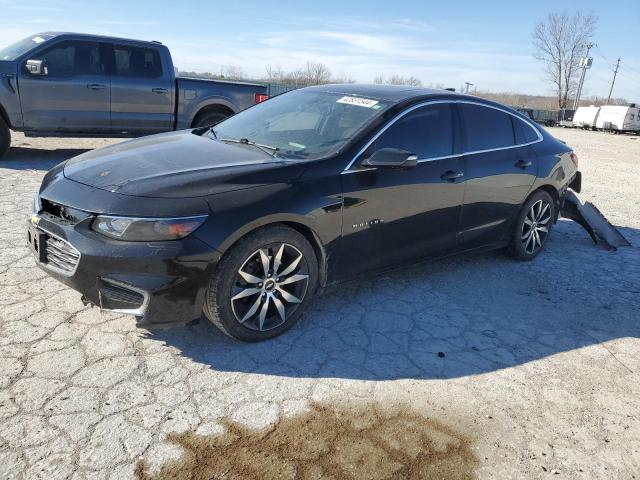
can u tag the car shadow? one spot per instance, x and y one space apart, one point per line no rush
27 158
452 318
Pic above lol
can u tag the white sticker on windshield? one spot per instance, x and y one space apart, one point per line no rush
360 102
38 39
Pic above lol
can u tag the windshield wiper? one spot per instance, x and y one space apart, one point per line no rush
268 149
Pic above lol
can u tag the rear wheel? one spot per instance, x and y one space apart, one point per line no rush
533 226
5 138
262 285
211 118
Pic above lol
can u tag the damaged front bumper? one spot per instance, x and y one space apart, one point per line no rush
161 283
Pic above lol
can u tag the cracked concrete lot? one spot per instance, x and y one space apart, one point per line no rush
539 366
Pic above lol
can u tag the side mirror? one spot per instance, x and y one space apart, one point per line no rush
37 67
391 158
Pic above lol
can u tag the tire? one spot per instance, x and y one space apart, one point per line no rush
5 138
235 301
533 226
209 119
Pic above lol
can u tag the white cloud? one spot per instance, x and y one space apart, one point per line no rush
125 23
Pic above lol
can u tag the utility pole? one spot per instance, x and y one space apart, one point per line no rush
615 72
585 62
468 85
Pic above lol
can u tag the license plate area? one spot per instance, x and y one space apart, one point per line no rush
37 241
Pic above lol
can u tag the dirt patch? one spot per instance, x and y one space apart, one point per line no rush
326 443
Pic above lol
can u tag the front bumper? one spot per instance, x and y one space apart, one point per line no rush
160 282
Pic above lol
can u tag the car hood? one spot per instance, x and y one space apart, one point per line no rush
7 67
177 165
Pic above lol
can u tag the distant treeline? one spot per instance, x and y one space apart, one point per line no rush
313 73
542 102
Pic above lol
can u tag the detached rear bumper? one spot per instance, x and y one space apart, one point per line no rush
159 282
576 183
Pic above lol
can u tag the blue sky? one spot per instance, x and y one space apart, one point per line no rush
486 43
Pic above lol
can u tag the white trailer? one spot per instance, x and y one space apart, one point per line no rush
586 117
619 118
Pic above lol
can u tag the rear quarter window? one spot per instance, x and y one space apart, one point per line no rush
524 133
486 128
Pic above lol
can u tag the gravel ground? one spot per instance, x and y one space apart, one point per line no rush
523 370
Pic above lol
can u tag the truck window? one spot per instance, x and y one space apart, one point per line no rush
137 62
71 58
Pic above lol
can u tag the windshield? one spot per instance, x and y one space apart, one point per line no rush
303 124
14 50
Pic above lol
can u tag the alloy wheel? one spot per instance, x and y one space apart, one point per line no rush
535 228
269 286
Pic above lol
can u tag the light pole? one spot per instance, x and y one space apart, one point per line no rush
615 72
585 62
468 84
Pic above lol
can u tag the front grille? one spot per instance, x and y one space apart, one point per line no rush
61 213
119 297
61 255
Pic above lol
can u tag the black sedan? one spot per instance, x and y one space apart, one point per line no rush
247 220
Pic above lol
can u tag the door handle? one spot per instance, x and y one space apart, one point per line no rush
450 175
96 86
523 163
159 90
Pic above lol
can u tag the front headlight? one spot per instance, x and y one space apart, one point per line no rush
36 203
146 229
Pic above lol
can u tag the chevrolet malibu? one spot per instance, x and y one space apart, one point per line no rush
248 220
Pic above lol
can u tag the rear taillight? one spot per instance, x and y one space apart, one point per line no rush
574 159
261 97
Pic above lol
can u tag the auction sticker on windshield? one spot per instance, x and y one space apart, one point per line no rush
360 102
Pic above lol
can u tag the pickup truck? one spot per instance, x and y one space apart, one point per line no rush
66 84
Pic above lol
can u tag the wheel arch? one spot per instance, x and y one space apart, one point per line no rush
216 106
298 224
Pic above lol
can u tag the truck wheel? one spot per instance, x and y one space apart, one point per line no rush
209 119
533 226
262 284
5 138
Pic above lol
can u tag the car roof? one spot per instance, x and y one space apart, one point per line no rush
88 36
404 94
393 93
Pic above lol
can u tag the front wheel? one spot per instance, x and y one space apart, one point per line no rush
533 226
5 138
262 285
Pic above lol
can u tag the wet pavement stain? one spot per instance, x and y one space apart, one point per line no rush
325 443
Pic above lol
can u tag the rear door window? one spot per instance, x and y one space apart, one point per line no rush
426 132
137 62
486 128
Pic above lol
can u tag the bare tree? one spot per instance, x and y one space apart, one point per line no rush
398 80
559 41
317 73
275 74
233 72
311 74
